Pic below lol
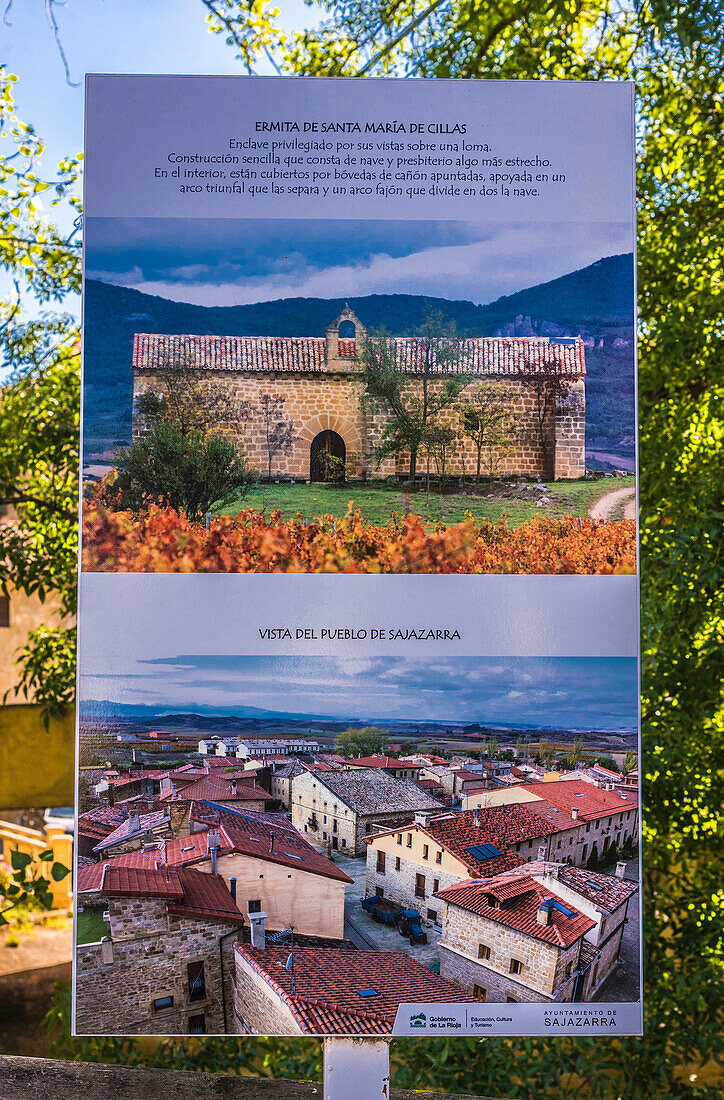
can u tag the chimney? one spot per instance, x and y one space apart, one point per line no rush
476 819
421 817
574 813
111 795
620 870
134 822
232 889
543 915
541 851
174 789
258 935
233 788
214 841
271 840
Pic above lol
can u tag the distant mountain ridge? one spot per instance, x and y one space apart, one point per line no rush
594 301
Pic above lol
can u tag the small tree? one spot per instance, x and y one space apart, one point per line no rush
185 398
415 391
574 756
630 763
279 437
489 420
367 741
186 471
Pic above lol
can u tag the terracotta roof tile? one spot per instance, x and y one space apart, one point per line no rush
205 897
133 826
382 762
254 835
521 898
302 354
591 802
328 984
90 876
501 826
218 789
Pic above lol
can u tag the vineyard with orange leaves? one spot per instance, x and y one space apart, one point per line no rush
164 541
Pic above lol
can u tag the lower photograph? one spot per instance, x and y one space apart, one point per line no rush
352 844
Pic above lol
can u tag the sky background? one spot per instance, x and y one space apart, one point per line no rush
571 692
220 262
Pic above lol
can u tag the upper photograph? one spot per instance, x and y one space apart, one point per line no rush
269 395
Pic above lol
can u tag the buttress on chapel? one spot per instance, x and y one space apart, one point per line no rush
321 380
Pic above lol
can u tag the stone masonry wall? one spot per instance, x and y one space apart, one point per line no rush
151 950
541 963
332 400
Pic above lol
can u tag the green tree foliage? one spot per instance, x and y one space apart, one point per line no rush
27 884
488 419
188 471
412 399
367 741
630 763
39 408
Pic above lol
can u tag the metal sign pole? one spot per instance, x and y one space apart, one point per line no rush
356 1069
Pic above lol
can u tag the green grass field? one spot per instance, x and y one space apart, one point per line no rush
377 501
91 928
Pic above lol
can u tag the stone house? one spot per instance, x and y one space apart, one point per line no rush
321 382
269 868
603 818
329 990
541 932
281 781
338 810
508 938
239 793
150 943
411 864
137 829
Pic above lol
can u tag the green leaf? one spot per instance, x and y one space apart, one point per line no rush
20 860
58 872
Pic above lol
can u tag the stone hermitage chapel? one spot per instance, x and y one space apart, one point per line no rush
321 380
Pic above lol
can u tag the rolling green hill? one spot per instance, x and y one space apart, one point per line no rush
594 302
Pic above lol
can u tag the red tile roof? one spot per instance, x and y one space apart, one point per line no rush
90 875
189 893
328 984
382 762
502 826
481 355
591 802
100 822
521 898
218 789
252 835
205 897
141 882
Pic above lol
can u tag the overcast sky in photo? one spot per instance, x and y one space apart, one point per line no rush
220 262
570 692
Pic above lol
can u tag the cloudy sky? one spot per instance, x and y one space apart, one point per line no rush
579 692
236 262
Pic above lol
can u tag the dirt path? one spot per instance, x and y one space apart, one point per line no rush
617 501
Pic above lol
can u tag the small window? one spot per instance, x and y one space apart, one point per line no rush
516 966
334 826
479 993
409 840
4 611
344 843
397 863
197 981
399 838
425 851
419 886
381 863
162 1004
438 857
432 914
379 891
255 906
197 1024
435 885
510 1001
483 951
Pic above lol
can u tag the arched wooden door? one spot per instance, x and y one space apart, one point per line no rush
326 457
